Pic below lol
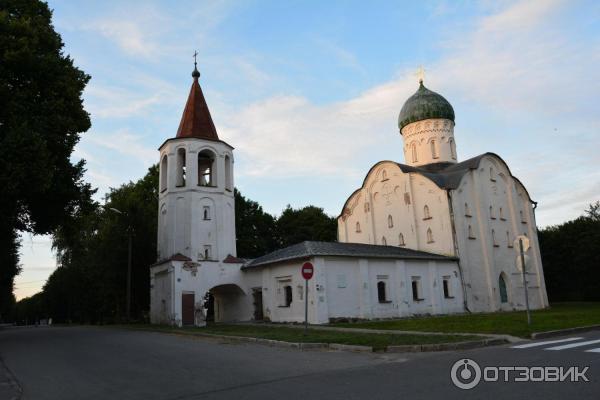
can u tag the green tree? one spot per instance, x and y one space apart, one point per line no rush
571 258
90 284
255 229
41 119
308 223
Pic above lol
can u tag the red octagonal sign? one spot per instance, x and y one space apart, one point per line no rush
307 270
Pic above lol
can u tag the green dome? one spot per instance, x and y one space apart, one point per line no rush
424 104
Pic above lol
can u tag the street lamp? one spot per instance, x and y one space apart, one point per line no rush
129 251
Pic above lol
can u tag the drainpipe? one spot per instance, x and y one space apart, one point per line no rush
456 252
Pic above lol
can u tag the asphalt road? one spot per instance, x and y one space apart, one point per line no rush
103 363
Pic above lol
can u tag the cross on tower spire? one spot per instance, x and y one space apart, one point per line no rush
420 74
195 73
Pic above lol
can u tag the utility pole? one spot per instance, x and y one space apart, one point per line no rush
129 257
129 254
523 268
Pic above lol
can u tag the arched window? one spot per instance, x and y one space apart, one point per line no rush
384 175
503 291
509 242
522 217
413 151
181 167
367 207
429 236
501 214
228 175
452 148
206 161
401 240
492 215
206 213
358 227
492 175
164 167
470 232
494 242
434 152
390 221
383 241
426 214
467 210
381 295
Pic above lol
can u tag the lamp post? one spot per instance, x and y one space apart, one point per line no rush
129 252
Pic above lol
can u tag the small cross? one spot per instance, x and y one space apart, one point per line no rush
195 54
420 73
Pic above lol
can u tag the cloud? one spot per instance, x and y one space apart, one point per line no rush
115 101
130 36
518 61
126 143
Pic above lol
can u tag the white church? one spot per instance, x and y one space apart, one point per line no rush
430 236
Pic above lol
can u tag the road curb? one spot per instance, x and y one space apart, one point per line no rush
445 346
561 332
350 347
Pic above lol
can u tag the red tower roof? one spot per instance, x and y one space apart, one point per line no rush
196 121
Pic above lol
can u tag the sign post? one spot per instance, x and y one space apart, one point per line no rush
307 273
523 246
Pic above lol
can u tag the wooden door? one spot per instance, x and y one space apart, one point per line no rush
187 308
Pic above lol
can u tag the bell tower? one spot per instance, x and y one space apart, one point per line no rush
196 211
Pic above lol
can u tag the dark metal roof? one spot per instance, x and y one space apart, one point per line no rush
424 104
445 175
309 249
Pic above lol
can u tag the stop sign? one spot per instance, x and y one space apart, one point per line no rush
307 270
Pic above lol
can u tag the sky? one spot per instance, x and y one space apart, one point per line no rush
308 92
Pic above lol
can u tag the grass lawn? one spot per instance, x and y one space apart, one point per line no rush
559 316
377 341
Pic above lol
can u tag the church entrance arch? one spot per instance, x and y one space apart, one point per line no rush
226 303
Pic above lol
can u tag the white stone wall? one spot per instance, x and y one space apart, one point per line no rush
387 191
182 227
231 288
346 287
485 255
418 138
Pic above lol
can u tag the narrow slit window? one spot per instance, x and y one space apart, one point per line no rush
401 240
164 168
446 287
470 232
383 241
390 221
429 236
434 153
413 151
358 227
181 167
426 214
